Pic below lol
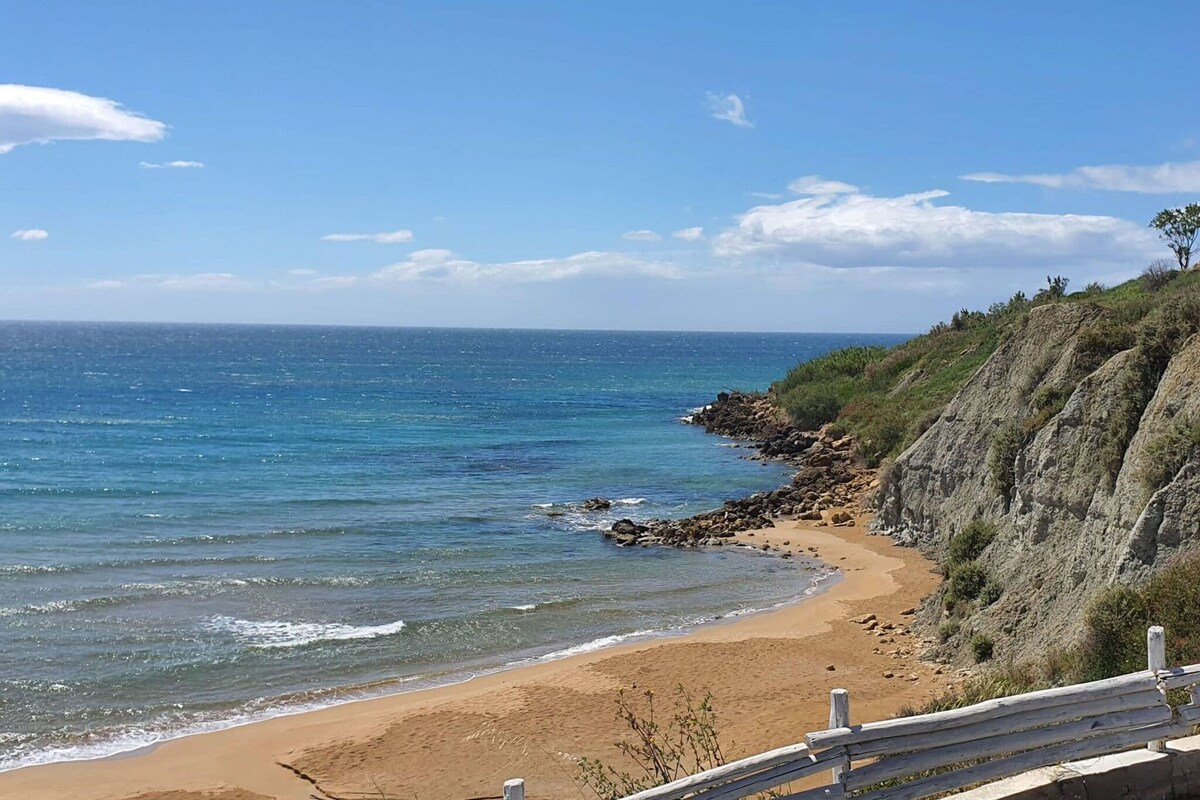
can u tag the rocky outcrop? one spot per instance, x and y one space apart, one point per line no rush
827 477
1067 527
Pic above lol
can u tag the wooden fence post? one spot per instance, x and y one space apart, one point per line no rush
839 717
1156 659
514 789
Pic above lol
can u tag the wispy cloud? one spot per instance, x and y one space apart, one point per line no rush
302 273
172 165
203 281
392 237
446 266
728 108
1168 178
689 234
816 185
36 114
30 235
855 230
641 236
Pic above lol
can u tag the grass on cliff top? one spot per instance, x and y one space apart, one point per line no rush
887 397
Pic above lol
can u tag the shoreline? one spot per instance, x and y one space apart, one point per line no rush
823 576
467 737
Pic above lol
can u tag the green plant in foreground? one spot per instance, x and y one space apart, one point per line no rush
948 630
685 744
990 593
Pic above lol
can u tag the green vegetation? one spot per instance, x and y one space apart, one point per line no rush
967 581
1169 451
969 543
887 397
1179 227
1007 442
982 647
991 593
948 630
660 751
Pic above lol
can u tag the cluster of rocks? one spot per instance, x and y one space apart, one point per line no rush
827 477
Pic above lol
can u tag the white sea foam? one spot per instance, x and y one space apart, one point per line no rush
629 501
272 633
598 644
527 607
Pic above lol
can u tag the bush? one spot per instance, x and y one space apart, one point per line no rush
1007 442
1101 341
991 593
1056 289
1094 288
1160 272
1046 404
661 751
982 647
948 630
1114 634
969 543
811 407
1160 336
967 581
1167 452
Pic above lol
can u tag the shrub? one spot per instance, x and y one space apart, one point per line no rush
1114 634
990 593
1056 289
1046 404
880 436
967 581
982 647
1101 341
1160 336
1094 288
1158 274
661 752
948 630
811 407
969 543
1167 452
1007 442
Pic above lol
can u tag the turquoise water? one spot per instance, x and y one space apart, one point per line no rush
201 525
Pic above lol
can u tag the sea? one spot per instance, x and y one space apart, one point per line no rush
206 525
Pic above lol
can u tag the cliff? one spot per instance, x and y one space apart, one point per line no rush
1076 442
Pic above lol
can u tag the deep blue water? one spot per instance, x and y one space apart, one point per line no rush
206 524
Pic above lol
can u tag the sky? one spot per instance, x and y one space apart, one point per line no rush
667 165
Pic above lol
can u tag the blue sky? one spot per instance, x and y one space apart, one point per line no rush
750 166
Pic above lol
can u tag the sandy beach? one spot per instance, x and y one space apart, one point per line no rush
770 675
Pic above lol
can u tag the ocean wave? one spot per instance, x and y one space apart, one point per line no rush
599 644
267 634
526 607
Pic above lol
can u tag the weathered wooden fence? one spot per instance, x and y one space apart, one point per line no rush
909 758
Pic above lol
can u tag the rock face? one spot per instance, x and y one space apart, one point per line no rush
1066 528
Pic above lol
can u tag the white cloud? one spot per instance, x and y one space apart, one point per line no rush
767 195
106 284
1180 176
446 266
35 114
301 273
641 236
172 165
816 185
201 281
728 108
393 237
689 234
30 235
851 230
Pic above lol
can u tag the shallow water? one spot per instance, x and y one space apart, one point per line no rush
205 524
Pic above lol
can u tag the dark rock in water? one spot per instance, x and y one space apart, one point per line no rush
624 527
596 504
555 513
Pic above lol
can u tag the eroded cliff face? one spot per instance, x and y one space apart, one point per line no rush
1066 528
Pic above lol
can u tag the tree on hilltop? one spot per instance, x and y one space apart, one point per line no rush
1179 227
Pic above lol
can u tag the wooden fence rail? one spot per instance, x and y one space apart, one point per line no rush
910 758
